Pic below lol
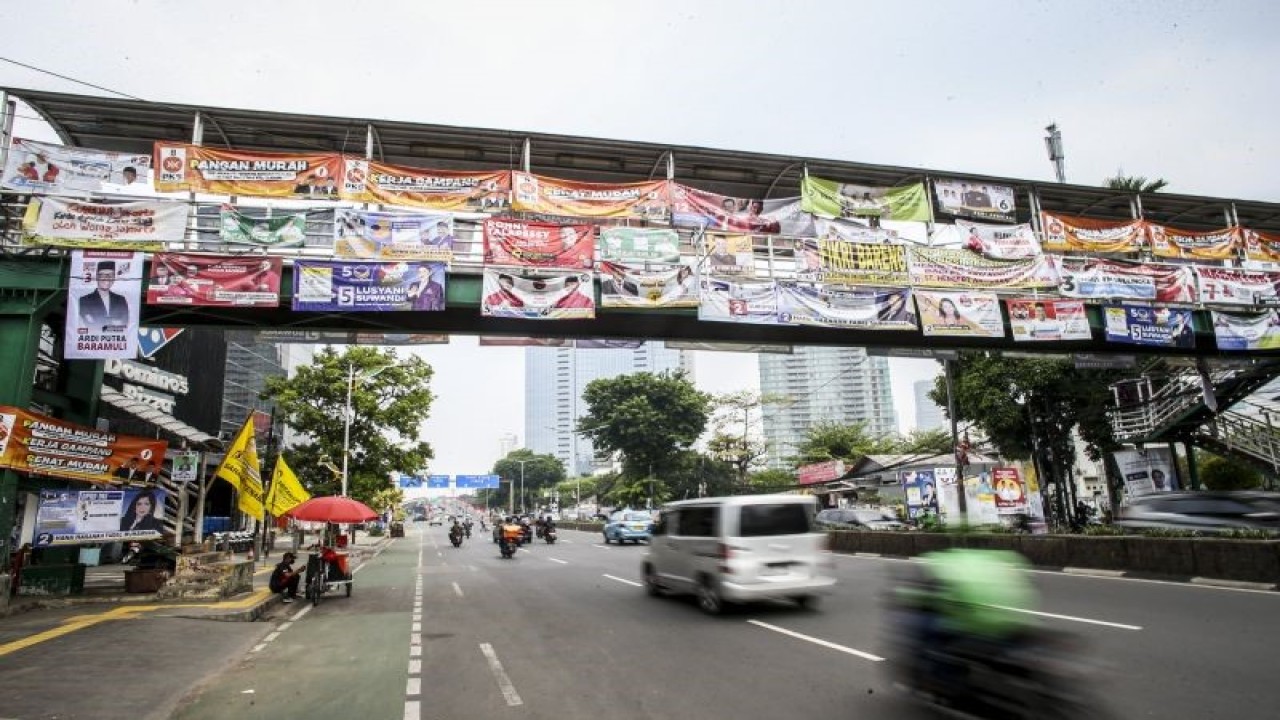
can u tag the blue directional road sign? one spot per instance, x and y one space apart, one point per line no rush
438 482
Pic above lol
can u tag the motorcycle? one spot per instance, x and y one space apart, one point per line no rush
466 529
507 548
455 537
549 535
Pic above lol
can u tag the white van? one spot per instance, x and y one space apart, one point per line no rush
739 549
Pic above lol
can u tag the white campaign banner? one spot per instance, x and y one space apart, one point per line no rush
1146 471
144 225
753 302
104 294
37 167
999 242
1233 286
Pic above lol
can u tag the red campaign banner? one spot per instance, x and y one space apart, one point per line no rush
214 281
1212 245
1261 246
691 207
538 244
1068 232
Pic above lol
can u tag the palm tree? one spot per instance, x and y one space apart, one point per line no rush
1135 183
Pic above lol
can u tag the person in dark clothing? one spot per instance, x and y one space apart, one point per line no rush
284 579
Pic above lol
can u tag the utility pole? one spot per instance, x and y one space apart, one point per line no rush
1053 143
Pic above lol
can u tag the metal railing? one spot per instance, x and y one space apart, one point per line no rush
1157 409
1257 438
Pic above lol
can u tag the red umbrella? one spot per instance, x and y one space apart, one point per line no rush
334 509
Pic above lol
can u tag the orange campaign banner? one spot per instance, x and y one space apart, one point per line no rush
457 190
1261 246
1212 245
180 167
41 445
1068 232
552 196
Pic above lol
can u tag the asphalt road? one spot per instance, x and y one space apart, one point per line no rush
566 632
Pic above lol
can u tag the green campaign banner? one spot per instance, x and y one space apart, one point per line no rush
845 200
238 228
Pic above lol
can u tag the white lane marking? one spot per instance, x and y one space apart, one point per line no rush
504 682
602 547
417 627
629 582
457 590
412 710
271 637
285 626
417 617
415 667
565 541
413 687
439 554
1072 618
415 639
415 651
558 560
298 615
817 641
258 647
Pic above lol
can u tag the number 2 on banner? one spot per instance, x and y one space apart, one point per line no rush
346 296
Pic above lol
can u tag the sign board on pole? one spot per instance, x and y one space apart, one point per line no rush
185 466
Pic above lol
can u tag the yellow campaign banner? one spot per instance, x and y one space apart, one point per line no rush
1212 245
457 190
541 194
1262 246
286 490
1068 232
242 469
181 167
41 445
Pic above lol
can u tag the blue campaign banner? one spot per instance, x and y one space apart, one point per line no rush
410 481
70 517
438 482
477 482
1154 326
321 286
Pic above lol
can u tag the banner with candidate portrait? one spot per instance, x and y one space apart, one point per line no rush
539 244
277 231
550 295
638 245
42 445
1152 326
214 281
1234 286
104 293
364 235
846 200
342 337
959 313
751 302
1146 471
143 225
691 207
1010 490
1094 278
195 168
975 199
1081 234
42 168
951 267
84 517
1211 245
1261 246
1048 320
729 254
321 286
1000 242
861 308
453 190
553 196
840 262
660 287
920 489
1247 331
855 232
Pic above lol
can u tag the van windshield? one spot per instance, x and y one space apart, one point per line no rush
773 519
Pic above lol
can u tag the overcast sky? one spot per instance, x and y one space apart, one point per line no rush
1186 91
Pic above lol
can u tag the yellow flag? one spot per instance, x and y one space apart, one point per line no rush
286 491
242 469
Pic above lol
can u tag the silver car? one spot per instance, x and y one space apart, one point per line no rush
1210 512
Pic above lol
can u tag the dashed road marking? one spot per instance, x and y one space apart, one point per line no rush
504 682
817 641
629 582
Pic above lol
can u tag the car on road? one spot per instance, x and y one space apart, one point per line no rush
419 518
1209 512
860 519
739 549
624 525
436 520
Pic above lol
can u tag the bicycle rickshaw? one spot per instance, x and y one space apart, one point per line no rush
329 570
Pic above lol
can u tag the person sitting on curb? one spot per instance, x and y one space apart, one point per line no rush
284 579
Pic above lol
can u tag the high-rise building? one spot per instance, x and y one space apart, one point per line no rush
929 414
249 364
554 380
506 443
823 384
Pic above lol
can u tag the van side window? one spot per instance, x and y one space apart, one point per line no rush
773 519
697 521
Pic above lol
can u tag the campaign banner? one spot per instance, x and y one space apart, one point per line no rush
973 199
1068 232
860 308
753 302
278 231
1154 326
736 347
539 244
950 267
729 255
144 225
622 286
840 262
855 232
843 200
454 190
477 482
542 194
104 291
82 517
1009 489
638 245
363 235
183 167
548 296
820 472
320 286
340 337
186 466
1041 320
1212 245
1001 242
36 167
691 207
1094 278
1146 471
921 491
1247 331
948 495
1233 286
41 445
959 314
1261 246
980 500
214 281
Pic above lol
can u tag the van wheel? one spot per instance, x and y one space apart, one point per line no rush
708 599
806 602
651 584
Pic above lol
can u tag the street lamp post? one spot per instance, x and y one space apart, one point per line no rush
522 462
346 427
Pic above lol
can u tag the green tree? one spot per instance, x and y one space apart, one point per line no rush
531 472
936 441
389 399
392 497
1219 473
735 426
1135 183
837 441
772 480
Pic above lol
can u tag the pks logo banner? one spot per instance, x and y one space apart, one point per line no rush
210 280
1233 286
549 296
1068 232
638 245
538 244
1213 245
844 200
1261 246
959 314
368 286
41 445
622 286
1041 320
36 167
973 199
360 235
456 191
238 228
122 226
1093 278
691 207
104 292
859 308
183 167
541 194
1154 326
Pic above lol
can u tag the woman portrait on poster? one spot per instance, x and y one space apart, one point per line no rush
948 313
141 514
